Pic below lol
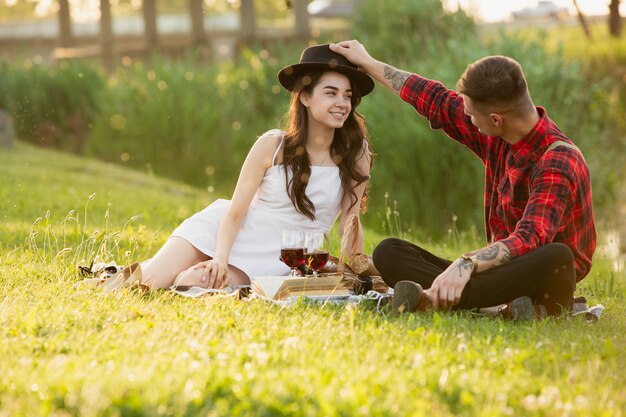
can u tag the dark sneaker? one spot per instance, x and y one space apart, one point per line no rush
408 296
523 309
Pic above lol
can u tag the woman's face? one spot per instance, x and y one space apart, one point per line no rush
329 103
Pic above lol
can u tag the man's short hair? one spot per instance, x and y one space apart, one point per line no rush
495 83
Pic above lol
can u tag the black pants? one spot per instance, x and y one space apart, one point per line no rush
545 274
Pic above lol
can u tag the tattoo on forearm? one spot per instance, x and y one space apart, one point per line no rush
496 252
506 255
488 254
396 77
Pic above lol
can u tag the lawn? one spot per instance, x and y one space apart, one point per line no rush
69 352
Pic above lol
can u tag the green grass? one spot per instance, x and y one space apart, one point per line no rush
69 352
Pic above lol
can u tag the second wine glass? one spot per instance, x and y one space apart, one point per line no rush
316 251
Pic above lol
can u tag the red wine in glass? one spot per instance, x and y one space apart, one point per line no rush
292 257
292 249
316 260
316 250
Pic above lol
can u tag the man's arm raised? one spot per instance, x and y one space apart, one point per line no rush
387 75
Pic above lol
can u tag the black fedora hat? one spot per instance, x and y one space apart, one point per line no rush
320 57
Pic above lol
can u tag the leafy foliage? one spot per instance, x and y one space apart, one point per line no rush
194 121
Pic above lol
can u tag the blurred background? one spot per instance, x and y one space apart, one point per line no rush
182 88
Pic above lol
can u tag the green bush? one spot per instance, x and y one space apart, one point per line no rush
188 121
434 180
403 31
52 106
196 121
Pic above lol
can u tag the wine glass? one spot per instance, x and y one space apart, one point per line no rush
316 254
292 249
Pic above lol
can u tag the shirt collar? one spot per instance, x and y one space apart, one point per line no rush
523 151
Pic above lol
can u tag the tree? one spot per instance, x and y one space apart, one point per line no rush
197 21
248 25
106 35
301 17
582 20
150 24
615 20
65 24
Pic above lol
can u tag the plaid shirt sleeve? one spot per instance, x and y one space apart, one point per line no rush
445 110
551 200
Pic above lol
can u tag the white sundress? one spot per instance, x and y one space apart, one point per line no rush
256 248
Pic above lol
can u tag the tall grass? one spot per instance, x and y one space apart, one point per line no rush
52 106
79 352
191 122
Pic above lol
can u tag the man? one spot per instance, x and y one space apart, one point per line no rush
538 210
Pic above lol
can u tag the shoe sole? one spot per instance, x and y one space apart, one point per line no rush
523 309
406 296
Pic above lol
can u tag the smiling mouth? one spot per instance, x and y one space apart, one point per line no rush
338 114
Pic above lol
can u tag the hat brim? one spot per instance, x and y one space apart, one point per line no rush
288 75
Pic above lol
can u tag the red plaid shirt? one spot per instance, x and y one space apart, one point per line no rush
532 197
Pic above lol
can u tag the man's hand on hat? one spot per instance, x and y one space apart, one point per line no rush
354 51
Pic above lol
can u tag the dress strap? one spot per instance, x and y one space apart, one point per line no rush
282 139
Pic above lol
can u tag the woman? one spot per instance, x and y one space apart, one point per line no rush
298 179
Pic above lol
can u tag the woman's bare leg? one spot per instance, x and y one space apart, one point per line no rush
192 276
175 256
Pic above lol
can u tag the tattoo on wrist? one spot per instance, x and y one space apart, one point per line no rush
396 77
466 264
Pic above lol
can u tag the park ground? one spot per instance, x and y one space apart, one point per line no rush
69 352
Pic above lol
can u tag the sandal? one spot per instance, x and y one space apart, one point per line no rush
128 277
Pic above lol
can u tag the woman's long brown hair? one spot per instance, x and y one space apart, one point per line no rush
346 147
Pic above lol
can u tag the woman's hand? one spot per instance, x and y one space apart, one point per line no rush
215 271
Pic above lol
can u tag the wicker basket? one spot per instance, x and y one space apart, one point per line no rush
358 263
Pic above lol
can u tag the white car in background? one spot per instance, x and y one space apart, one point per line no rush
544 9
331 8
